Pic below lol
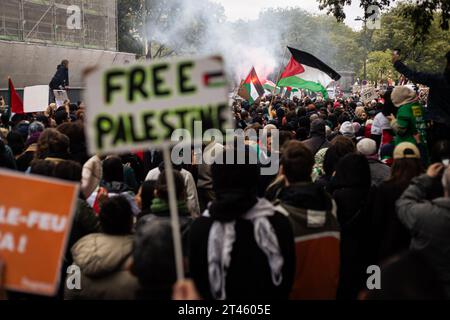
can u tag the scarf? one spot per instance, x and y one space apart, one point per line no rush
161 207
222 236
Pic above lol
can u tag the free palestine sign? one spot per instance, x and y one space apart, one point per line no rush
138 106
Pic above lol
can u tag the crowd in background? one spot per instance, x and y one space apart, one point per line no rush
360 184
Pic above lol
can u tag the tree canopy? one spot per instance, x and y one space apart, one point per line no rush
421 14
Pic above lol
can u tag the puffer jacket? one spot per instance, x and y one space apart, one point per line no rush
103 260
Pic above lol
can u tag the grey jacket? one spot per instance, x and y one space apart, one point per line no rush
429 224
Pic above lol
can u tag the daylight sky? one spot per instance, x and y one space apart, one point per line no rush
250 9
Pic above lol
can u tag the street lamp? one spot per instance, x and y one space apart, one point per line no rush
364 20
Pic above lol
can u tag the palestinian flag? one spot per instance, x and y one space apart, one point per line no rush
269 85
15 102
305 71
252 88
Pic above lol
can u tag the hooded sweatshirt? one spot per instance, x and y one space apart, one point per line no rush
312 214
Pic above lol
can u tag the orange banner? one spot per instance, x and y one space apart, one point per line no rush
35 220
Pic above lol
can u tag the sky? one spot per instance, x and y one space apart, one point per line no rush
250 9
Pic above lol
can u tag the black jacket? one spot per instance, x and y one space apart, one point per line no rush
388 235
438 102
60 79
249 275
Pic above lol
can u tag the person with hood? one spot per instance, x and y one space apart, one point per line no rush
428 221
410 120
105 258
241 248
312 214
389 235
318 139
153 254
350 189
61 78
438 103
378 170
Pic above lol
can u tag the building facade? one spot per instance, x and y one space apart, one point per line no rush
36 35
72 23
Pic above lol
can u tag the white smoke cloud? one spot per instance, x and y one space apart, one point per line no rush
243 44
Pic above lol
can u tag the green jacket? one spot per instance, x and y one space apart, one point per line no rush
410 121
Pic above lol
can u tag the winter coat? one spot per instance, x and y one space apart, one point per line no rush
378 171
438 102
60 79
354 223
429 225
388 235
312 214
249 273
103 260
317 138
91 175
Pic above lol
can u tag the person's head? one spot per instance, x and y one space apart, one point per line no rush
235 177
153 259
35 127
65 63
297 162
353 171
75 132
68 170
318 128
403 95
407 164
162 188
367 147
116 216
42 167
61 116
15 142
145 195
340 146
113 169
347 130
52 143
22 128
42 118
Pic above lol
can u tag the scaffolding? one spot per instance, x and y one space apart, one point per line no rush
45 22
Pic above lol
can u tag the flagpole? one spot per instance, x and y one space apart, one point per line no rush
278 79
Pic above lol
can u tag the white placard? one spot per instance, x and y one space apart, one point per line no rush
60 97
35 99
138 106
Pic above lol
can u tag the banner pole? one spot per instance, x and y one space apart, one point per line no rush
174 218
278 78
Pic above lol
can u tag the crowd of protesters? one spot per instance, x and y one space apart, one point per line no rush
359 185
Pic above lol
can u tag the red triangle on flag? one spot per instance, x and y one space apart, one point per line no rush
293 68
15 102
